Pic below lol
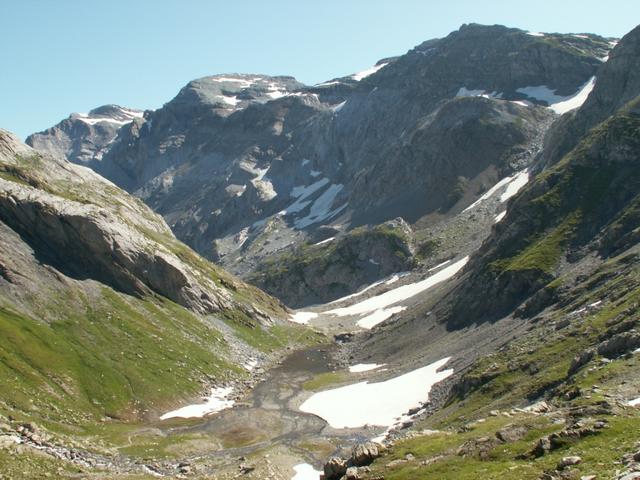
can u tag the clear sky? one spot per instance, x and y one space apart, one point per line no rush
63 56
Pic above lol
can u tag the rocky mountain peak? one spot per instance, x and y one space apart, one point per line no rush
230 92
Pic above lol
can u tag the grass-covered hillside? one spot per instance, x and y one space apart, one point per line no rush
104 315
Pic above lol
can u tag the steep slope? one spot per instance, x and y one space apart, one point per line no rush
103 313
243 166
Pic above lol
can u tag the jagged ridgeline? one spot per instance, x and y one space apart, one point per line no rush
103 313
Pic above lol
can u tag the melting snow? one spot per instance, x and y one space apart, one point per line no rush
381 403
513 183
558 103
387 281
399 294
499 217
535 34
321 208
217 401
303 317
634 403
575 101
518 181
338 107
379 316
464 92
365 367
325 84
326 240
369 71
304 471
83 117
301 193
439 265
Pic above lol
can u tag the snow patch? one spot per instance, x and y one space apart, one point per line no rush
535 34
304 471
518 181
365 367
301 193
399 294
216 402
369 71
575 101
326 240
378 317
321 208
303 317
634 403
338 107
498 218
446 262
558 103
381 403
387 281
512 183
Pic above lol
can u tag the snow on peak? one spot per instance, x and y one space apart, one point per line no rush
369 71
118 116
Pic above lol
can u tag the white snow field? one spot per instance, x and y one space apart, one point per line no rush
304 471
365 367
634 403
217 401
381 404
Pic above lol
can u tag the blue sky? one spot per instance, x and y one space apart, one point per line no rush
63 56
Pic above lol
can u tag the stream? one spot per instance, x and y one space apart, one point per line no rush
268 419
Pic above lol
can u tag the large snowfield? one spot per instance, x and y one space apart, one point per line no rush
380 404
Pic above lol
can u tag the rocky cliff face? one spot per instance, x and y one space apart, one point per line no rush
243 166
88 228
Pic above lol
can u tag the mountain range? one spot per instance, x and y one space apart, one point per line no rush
492 174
